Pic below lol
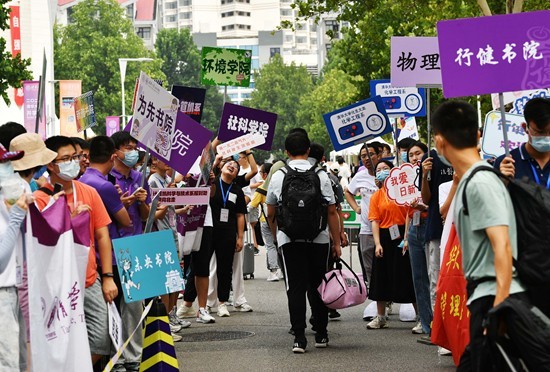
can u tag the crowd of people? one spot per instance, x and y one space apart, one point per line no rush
399 246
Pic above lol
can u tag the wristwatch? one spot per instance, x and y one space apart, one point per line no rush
108 275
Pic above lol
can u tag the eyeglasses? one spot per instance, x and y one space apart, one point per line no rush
67 159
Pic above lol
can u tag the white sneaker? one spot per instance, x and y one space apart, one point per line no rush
273 277
222 310
174 328
176 337
377 323
417 329
443 351
280 274
186 312
205 317
244 308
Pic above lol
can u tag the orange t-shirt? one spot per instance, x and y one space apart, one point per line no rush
386 211
98 217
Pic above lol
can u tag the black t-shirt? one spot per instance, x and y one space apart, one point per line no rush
440 174
241 181
235 204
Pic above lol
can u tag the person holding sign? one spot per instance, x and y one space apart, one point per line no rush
391 278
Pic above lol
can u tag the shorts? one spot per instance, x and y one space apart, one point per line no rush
13 348
253 214
95 312
201 258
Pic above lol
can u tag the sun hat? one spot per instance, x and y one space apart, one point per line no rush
6 155
36 152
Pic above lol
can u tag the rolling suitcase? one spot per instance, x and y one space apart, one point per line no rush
248 255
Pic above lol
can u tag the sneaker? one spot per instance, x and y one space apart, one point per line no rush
256 252
272 277
321 341
333 314
205 317
174 328
185 324
280 274
299 346
244 308
222 310
176 337
175 320
417 329
389 309
377 323
186 312
442 351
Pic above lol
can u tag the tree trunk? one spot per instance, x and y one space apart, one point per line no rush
484 7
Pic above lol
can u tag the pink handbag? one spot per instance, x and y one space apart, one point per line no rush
342 288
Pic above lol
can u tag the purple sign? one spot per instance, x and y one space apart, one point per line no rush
239 120
112 125
191 100
30 108
415 62
189 139
500 53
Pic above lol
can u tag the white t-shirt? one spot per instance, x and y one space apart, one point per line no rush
345 174
274 196
363 182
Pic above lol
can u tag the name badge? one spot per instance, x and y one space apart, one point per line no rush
394 232
18 275
233 198
224 215
416 218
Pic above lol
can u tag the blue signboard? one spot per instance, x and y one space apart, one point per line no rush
148 265
408 101
356 123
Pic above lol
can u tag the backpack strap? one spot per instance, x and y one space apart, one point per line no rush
46 191
478 169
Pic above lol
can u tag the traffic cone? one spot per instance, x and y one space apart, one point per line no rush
159 354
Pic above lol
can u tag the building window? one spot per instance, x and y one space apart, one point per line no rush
185 2
70 16
228 14
286 12
274 51
301 39
227 28
130 11
171 18
244 14
227 1
172 5
144 32
185 15
332 25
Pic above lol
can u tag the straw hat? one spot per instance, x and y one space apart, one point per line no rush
36 152
9 155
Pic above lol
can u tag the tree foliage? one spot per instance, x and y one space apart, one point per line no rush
89 48
13 70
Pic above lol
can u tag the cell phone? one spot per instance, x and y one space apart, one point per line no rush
57 188
136 190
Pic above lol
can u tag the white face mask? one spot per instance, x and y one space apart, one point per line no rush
69 170
6 170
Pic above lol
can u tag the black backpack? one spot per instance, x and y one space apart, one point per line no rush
302 212
531 204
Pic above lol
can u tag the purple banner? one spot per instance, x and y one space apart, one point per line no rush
112 125
415 62
30 107
500 53
189 139
191 100
239 120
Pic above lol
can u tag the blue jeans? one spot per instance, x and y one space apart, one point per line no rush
419 266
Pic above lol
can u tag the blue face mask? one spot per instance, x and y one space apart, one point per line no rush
444 160
404 157
130 158
382 175
541 143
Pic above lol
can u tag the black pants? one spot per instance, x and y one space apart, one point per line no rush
199 265
223 245
305 265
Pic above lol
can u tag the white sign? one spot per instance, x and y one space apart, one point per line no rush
154 119
519 99
406 127
493 142
183 196
240 144
115 325
400 185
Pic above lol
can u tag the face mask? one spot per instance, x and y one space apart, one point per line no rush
382 175
541 143
68 171
444 160
404 157
6 170
130 158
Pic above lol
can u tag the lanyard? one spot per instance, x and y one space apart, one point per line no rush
536 175
225 195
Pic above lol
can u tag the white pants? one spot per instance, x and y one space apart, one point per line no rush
237 281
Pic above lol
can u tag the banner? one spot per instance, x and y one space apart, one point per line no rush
68 90
451 321
84 111
500 53
415 61
30 107
148 265
154 119
243 143
56 275
224 66
15 36
183 196
112 125
492 142
191 100
400 184
238 120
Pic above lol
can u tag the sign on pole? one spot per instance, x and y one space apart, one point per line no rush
68 90
356 123
519 99
30 107
224 66
239 120
84 111
415 62
240 144
500 53
492 143
183 196
112 125
400 184
191 100
403 101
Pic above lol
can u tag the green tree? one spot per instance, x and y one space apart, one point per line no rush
182 66
13 70
334 90
278 89
89 48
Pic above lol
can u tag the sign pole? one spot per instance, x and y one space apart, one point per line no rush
429 122
503 122
396 150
